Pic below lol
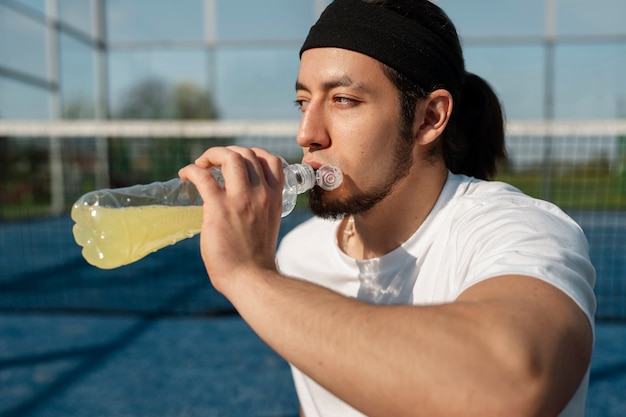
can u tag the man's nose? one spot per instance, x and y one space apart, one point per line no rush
313 133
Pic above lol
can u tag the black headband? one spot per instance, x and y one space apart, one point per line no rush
397 41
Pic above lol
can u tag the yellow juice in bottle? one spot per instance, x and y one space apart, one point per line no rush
112 237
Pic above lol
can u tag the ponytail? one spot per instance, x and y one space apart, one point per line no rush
473 143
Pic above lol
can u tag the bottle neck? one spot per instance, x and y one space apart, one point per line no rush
304 176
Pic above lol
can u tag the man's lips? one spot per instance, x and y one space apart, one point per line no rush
314 164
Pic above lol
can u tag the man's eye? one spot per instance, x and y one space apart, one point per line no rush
300 104
345 101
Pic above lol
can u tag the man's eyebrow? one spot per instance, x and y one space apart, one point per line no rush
344 81
300 86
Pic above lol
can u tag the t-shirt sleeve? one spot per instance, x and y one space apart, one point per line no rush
529 241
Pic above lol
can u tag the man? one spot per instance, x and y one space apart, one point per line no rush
416 290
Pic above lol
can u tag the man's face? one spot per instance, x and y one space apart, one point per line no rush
350 119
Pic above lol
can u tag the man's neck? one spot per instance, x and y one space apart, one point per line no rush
392 221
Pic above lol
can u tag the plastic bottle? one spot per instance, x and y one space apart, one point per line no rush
119 226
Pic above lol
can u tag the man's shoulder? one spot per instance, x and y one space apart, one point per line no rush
488 203
494 194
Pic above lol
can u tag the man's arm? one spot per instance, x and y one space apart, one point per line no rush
511 345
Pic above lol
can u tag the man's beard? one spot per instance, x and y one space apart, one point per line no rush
323 205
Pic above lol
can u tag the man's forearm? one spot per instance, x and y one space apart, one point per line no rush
405 359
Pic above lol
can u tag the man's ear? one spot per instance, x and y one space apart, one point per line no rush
432 116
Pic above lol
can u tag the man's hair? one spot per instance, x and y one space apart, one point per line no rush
473 141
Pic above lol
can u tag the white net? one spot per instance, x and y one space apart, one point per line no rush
46 166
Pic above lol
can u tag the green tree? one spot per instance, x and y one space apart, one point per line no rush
192 103
140 161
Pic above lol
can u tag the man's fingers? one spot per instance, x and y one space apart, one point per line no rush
252 166
201 178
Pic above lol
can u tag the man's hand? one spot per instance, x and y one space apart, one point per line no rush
240 221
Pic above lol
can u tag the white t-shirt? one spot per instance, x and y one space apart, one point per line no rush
477 230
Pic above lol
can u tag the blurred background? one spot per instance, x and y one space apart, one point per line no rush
554 63
110 93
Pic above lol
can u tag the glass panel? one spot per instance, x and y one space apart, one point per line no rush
20 101
268 19
77 78
620 87
257 83
496 17
515 73
78 14
153 74
598 17
154 20
38 5
22 43
590 81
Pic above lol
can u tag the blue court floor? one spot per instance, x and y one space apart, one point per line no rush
121 367
155 339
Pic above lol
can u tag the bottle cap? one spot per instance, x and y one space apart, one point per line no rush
328 177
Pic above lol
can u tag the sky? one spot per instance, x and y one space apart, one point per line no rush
252 70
